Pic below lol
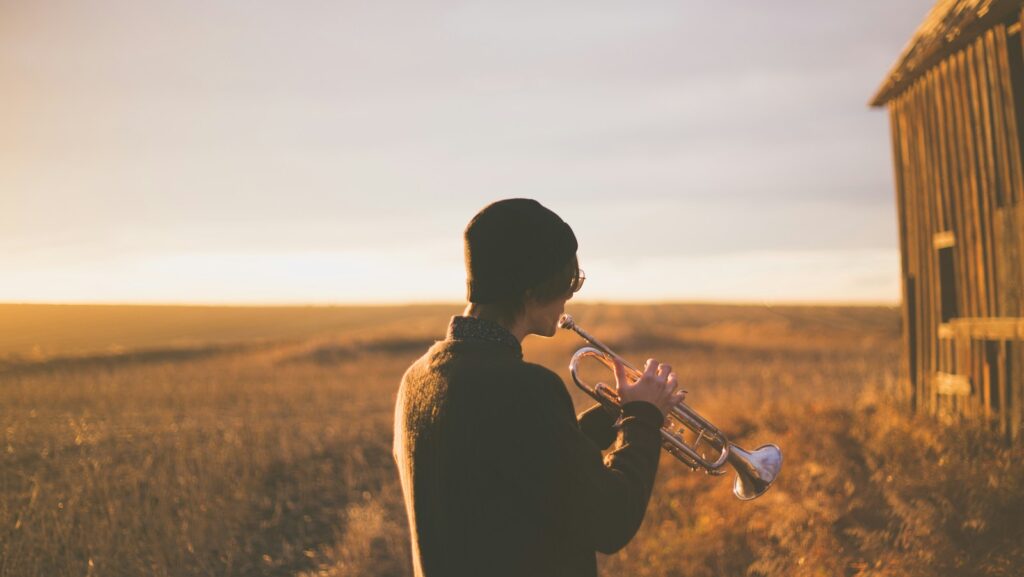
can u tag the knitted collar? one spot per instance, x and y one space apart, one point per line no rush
474 329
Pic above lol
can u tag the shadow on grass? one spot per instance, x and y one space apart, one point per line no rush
339 353
14 365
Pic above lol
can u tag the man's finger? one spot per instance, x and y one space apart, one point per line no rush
620 375
651 368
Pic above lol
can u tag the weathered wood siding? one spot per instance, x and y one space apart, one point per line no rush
960 185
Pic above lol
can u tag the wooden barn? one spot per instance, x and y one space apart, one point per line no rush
956 106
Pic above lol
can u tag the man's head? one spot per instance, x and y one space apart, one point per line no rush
520 260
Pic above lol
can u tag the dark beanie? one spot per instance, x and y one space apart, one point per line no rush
513 245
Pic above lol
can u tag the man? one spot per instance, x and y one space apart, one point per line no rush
500 477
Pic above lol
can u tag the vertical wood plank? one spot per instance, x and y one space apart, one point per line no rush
1001 376
983 218
980 287
955 132
1017 376
973 213
1004 170
986 384
929 226
989 184
914 221
942 145
931 149
1009 111
969 261
920 296
954 128
926 228
922 398
1005 377
906 382
945 175
971 401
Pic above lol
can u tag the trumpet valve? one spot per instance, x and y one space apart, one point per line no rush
607 396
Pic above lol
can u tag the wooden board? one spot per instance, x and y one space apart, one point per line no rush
953 385
989 329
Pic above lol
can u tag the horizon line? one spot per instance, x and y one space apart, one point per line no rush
397 304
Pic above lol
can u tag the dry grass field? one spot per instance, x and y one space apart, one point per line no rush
231 441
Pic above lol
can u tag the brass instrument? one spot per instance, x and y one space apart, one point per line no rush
755 470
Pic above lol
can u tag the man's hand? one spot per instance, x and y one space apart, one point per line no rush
657 386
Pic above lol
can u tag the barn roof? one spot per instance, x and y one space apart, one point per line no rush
950 25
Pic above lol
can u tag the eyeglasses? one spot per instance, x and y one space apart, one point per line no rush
577 281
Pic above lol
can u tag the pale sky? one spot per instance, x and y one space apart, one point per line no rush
333 151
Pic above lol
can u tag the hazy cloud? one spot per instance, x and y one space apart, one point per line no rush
138 130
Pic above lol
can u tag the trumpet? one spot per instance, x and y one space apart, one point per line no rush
710 451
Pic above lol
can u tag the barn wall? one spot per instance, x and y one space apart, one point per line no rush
959 180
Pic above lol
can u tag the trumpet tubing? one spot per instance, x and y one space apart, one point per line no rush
710 451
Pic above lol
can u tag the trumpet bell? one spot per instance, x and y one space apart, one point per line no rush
755 470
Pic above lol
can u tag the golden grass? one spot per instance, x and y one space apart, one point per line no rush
39 332
258 443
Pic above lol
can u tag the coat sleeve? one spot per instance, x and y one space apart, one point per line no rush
598 425
558 474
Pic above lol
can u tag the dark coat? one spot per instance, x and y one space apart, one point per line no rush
499 476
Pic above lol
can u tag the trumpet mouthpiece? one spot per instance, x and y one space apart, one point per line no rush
565 322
